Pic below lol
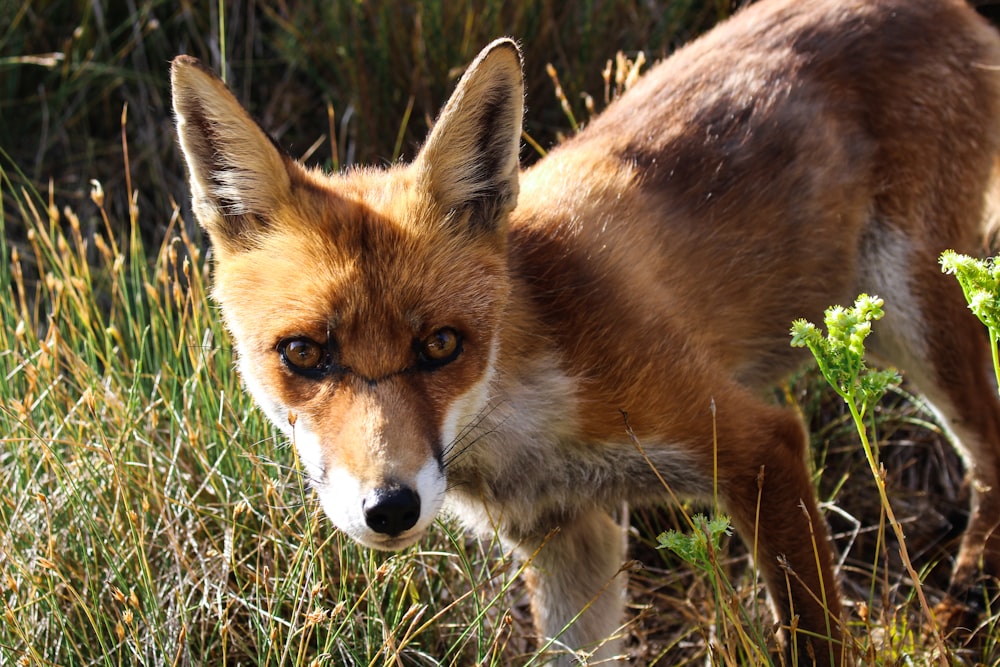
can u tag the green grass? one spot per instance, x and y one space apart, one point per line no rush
336 82
149 514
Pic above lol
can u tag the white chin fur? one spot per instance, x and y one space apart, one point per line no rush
341 495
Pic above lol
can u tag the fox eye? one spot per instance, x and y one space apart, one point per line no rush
304 356
440 348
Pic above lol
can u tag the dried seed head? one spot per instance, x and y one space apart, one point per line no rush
97 193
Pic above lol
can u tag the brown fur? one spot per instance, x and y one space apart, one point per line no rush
797 155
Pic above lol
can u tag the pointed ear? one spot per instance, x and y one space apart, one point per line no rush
238 176
470 161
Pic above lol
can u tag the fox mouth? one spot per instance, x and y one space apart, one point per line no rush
388 542
389 517
371 538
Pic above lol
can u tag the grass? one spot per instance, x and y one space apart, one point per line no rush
149 514
336 82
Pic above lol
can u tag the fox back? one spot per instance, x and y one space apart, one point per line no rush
530 350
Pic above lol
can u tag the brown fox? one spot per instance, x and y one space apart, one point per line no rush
458 334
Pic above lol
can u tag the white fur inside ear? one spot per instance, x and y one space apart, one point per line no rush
471 158
234 167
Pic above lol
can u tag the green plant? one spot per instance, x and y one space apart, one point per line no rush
703 549
840 356
980 281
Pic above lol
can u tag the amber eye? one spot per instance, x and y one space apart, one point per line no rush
440 348
304 356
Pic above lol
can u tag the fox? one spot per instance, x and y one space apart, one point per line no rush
530 349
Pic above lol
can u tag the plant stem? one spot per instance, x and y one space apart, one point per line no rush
996 359
896 527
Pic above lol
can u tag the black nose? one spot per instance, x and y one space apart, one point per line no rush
392 510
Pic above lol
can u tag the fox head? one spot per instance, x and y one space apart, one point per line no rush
365 307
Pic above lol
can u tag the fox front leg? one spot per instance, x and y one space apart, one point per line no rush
578 588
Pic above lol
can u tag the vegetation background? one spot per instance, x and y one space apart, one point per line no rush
150 515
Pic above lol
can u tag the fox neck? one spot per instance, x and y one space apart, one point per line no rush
528 399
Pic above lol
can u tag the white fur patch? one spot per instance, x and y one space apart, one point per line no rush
467 407
342 495
887 259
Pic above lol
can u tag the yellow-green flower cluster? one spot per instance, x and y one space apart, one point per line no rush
980 280
840 354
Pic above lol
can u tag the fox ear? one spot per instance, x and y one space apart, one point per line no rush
238 176
470 161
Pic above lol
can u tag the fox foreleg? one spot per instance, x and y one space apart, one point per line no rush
578 588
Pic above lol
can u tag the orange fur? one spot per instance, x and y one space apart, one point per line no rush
454 332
